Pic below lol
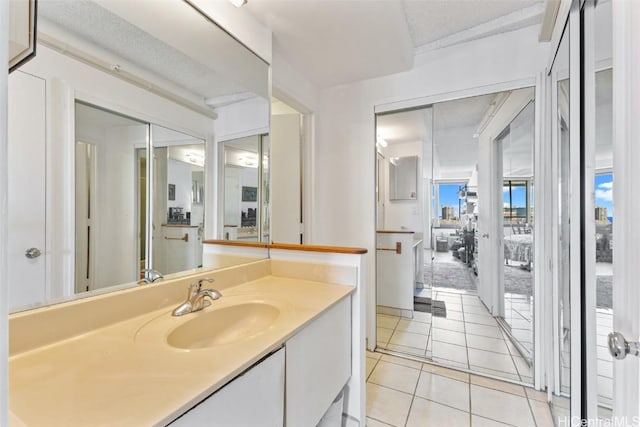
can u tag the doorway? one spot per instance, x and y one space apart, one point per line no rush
440 296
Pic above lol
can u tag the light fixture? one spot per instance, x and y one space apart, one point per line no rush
238 3
382 142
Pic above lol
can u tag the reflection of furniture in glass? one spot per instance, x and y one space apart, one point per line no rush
181 248
518 247
248 218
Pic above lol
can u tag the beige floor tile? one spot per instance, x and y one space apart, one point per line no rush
536 395
375 423
451 337
450 352
371 363
450 363
374 355
394 376
383 335
387 405
387 322
541 413
414 326
425 413
500 406
443 390
477 421
451 373
409 339
497 345
401 361
498 385
490 360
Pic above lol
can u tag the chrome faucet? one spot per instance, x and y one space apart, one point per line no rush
197 298
150 276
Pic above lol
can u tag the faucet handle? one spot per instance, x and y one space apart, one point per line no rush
206 279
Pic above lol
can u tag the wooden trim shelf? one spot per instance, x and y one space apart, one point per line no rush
290 247
395 232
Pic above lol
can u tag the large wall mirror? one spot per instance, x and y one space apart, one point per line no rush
113 129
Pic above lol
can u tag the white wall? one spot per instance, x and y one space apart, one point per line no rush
404 214
285 178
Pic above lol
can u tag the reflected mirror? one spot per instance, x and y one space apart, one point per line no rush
113 85
403 178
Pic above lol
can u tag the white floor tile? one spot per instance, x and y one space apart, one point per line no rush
451 373
409 339
387 405
444 390
414 326
375 423
454 315
483 330
452 325
450 352
523 368
500 406
497 345
394 376
495 361
480 319
477 421
498 385
419 316
541 413
401 361
419 352
476 309
425 413
451 337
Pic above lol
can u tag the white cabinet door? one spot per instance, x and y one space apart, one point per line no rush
254 399
318 365
27 210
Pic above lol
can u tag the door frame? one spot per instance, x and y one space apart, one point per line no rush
626 133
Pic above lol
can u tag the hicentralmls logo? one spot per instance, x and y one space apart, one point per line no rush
599 422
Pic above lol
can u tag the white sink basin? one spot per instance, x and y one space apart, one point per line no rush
217 326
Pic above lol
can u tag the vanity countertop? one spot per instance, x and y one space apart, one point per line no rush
126 373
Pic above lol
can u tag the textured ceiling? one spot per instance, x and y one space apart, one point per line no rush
341 41
431 20
99 26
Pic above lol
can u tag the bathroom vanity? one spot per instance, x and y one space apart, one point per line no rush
123 359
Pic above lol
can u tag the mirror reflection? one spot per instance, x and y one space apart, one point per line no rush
118 130
403 178
447 287
245 187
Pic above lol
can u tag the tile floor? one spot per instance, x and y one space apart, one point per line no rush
468 337
407 393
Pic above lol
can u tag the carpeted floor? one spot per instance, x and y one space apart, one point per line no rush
455 274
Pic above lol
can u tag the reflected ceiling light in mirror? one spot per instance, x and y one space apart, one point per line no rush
238 3
383 143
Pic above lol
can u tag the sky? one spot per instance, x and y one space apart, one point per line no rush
449 197
604 192
603 187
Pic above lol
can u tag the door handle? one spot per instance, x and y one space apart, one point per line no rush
32 253
619 347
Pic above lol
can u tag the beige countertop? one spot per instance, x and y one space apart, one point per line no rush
126 374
